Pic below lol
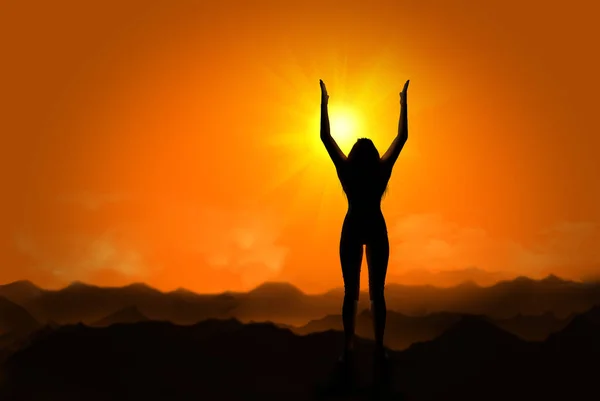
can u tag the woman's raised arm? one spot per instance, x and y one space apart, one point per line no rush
334 151
391 155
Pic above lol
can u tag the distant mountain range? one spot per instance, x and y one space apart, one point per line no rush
530 309
403 330
472 359
448 278
286 304
130 314
14 317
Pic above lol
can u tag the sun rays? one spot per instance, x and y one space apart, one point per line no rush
302 169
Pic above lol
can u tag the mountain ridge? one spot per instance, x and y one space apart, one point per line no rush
286 304
162 359
277 285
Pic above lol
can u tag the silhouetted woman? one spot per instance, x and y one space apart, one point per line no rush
364 177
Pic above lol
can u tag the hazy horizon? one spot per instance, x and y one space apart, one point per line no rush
287 283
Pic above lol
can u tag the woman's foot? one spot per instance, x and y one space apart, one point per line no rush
381 354
347 355
381 367
344 372
341 378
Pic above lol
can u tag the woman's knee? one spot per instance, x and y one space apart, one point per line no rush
377 294
351 293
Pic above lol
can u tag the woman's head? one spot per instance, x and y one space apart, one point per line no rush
365 164
363 154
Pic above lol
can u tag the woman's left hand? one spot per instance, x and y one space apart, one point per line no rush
403 93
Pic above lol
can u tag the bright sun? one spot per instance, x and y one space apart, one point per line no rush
344 125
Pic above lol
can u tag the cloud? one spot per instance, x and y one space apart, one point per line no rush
167 243
242 241
70 257
427 241
445 278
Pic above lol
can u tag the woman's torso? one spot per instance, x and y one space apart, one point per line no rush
364 190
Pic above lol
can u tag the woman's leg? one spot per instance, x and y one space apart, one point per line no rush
378 253
351 252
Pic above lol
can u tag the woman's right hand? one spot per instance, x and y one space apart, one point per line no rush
324 95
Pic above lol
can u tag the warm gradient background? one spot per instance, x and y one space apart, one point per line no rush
176 142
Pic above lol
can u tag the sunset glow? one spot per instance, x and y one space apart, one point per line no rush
177 143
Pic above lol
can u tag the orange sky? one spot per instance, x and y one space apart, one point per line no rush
176 143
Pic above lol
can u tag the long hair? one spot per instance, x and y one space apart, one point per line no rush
365 164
